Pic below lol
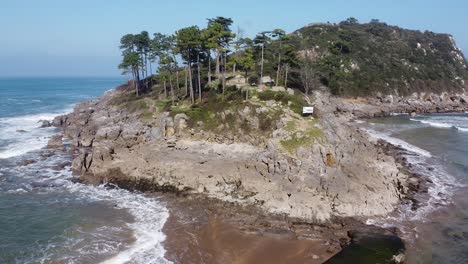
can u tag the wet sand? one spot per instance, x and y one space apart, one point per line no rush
202 230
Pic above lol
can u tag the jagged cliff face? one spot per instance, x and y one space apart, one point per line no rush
365 59
336 171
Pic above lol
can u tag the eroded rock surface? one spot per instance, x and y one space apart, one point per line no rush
339 173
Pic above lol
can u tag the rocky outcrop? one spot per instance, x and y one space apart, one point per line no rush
417 103
339 174
56 142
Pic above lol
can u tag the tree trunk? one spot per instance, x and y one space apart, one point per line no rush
177 80
146 65
286 77
177 72
261 65
279 66
165 90
192 96
172 88
247 87
234 69
186 81
134 81
217 70
137 81
209 67
199 79
150 68
224 76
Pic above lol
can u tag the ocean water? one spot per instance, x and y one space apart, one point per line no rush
437 146
44 216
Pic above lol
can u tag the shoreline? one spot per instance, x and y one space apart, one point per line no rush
214 226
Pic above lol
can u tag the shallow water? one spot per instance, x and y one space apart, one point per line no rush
46 218
437 232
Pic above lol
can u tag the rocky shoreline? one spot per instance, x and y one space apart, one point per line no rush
252 185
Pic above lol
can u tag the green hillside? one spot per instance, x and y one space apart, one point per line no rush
355 59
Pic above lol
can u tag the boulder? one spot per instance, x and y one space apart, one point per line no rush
86 140
167 125
290 91
388 99
45 123
154 134
59 121
111 133
130 131
170 131
278 89
180 122
55 142
239 81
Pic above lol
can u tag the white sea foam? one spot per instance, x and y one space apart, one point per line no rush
434 124
452 122
22 134
19 190
439 191
398 142
150 216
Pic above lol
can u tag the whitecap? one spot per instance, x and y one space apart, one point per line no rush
398 142
150 216
15 143
16 191
439 193
434 124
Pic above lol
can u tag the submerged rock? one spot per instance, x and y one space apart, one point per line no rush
45 123
371 248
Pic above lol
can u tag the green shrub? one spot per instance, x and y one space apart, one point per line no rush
296 102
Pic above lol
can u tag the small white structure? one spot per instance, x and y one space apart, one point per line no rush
307 110
266 80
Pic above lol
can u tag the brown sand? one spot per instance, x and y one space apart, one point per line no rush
208 232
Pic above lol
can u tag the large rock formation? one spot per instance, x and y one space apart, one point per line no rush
335 170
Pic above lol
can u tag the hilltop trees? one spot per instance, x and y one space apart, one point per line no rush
131 61
269 53
188 42
261 40
246 61
280 36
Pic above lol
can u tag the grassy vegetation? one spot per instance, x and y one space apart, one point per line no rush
301 137
295 102
221 114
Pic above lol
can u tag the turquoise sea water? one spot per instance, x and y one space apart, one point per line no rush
437 146
44 217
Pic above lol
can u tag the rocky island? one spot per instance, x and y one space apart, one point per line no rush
234 149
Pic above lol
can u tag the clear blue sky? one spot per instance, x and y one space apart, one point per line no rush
81 38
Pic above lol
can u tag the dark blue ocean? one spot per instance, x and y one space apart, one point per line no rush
437 147
46 218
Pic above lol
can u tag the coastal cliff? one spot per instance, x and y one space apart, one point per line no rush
312 170
309 168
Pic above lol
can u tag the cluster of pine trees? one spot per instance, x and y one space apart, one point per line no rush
194 58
